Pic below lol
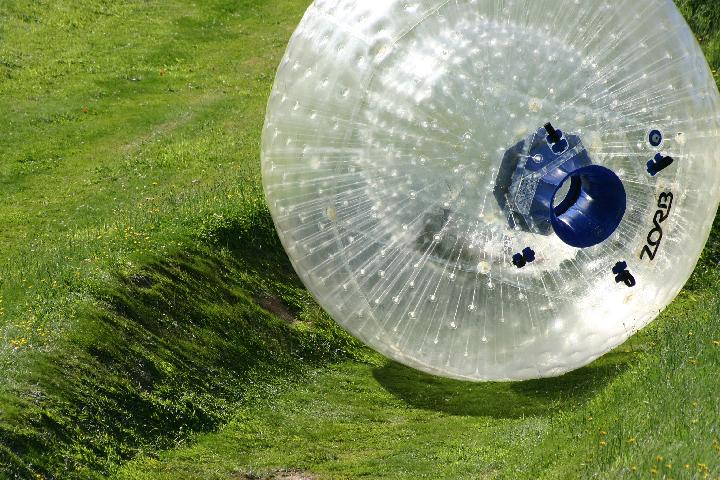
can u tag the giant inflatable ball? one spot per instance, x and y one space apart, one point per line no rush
493 189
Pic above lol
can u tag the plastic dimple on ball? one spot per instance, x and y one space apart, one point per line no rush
382 153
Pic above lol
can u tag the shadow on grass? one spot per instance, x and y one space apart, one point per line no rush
165 350
502 399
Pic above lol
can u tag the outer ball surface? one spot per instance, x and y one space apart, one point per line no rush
383 140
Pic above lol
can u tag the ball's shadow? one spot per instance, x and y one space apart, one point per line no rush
501 399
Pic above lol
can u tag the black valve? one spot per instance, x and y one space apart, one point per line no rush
553 135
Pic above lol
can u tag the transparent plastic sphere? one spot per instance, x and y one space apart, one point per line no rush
493 190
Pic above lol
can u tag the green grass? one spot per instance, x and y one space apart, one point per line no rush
138 248
382 421
649 408
148 312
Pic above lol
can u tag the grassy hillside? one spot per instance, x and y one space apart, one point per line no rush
143 289
144 297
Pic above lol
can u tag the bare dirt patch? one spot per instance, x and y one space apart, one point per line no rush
276 306
281 474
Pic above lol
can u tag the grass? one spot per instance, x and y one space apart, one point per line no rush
645 410
139 251
148 312
383 421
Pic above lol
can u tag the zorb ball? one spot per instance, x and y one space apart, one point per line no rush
493 190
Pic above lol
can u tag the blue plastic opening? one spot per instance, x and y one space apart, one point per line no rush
592 208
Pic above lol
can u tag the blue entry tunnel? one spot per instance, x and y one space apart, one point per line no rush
547 184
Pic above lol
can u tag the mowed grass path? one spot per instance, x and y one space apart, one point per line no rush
145 299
